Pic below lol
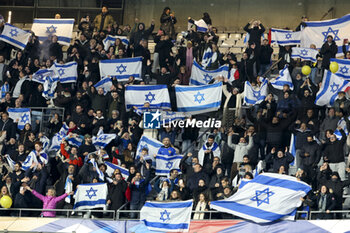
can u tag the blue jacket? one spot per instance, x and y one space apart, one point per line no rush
166 151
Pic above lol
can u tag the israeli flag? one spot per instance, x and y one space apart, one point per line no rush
255 95
316 32
102 139
284 37
4 89
67 73
200 99
112 167
266 198
331 85
304 53
342 124
68 187
110 40
62 28
165 163
46 142
201 25
283 79
101 176
20 115
105 84
344 68
122 69
152 145
156 95
200 76
15 36
30 159
90 196
169 116
292 149
167 216
57 138
208 57
41 74
74 140
10 161
50 85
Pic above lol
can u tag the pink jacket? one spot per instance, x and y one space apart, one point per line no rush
49 203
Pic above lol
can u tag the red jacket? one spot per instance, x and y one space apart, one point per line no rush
78 162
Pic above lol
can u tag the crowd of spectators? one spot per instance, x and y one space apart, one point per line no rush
249 137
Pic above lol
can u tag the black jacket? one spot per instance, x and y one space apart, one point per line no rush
265 54
328 52
334 151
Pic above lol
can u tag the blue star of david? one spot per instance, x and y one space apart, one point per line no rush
14 32
197 99
169 165
256 94
121 69
265 196
207 78
27 159
91 193
150 97
334 87
344 70
330 30
61 72
303 52
142 147
51 29
288 35
102 137
166 214
24 118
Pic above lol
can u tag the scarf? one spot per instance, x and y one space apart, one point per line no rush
68 187
163 194
200 207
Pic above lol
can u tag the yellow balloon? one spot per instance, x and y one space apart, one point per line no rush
6 202
334 67
306 70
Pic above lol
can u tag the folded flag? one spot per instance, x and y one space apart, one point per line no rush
57 138
90 196
112 167
198 99
255 94
304 53
283 79
41 74
101 176
68 187
208 57
316 32
156 95
67 73
284 37
105 84
121 69
331 85
15 36
266 198
110 40
167 216
292 149
101 140
165 163
201 76
50 85
344 68
152 145
20 115
62 28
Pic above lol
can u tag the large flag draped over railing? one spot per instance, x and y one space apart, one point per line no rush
90 196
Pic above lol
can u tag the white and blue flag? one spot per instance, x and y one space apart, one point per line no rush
167 216
90 196
110 40
284 37
165 163
331 85
62 28
67 73
105 83
266 198
201 76
341 124
34 157
306 54
57 138
156 95
122 69
112 167
201 25
151 144
15 36
208 57
101 176
344 68
40 75
255 94
50 85
283 79
198 99
169 116
316 32
74 140
20 115
101 140
4 89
